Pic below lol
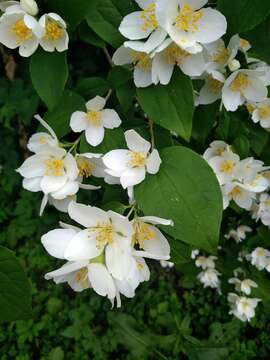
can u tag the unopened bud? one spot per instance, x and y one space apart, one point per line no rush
29 6
234 65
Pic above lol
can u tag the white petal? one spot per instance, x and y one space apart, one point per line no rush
156 220
83 246
231 99
117 160
101 280
256 91
78 121
32 184
110 119
158 245
122 56
161 70
97 103
195 4
132 26
211 26
57 241
33 167
153 162
132 176
71 168
94 135
193 65
50 184
66 269
70 188
88 216
142 78
136 143
119 262
28 48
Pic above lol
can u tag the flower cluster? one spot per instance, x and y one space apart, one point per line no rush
209 275
19 28
240 180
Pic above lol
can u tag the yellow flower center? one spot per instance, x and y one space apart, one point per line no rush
227 166
137 159
214 85
104 234
250 108
142 60
236 191
174 54
264 112
54 31
149 18
261 252
81 277
94 117
22 32
221 56
42 140
143 232
244 44
240 83
86 168
188 20
54 167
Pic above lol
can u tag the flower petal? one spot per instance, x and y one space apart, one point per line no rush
136 143
110 119
78 121
97 103
57 241
153 162
88 216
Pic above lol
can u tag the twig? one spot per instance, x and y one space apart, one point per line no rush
108 57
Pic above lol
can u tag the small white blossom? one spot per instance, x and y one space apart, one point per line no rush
242 307
205 262
244 285
54 34
239 234
259 258
209 278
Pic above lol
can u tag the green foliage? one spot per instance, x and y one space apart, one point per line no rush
170 106
193 202
49 74
15 294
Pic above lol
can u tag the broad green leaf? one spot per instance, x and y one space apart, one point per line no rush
241 146
186 191
73 12
121 80
104 17
113 139
203 122
49 74
91 87
259 39
243 15
89 36
59 117
170 106
15 292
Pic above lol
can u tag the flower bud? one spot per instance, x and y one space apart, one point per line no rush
234 65
29 6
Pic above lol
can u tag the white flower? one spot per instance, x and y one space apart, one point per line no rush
209 278
241 196
94 120
211 91
194 253
188 25
216 148
140 24
219 56
244 285
241 86
82 275
54 34
149 238
19 30
259 257
242 307
244 45
262 211
61 205
166 264
225 166
131 165
261 114
239 234
206 262
248 169
29 6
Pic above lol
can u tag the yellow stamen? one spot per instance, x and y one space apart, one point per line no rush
221 56
227 166
42 140
86 168
149 17
240 83
236 191
188 20
54 31
22 32
261 252
137 159
142 60
244 44
264 112
94 117
214 85
104 234
175 55
81 277
250 108
54 167
143 232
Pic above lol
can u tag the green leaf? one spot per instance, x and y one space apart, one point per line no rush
104 17
72 12
91 87
170 106
241 146
185 190
243 15
257 136
59 117
203 122
113 139
259 39
49 74
15 292
89 36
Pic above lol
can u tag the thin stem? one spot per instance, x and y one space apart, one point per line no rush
131 210
108 95
151 126
74 146
108 57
